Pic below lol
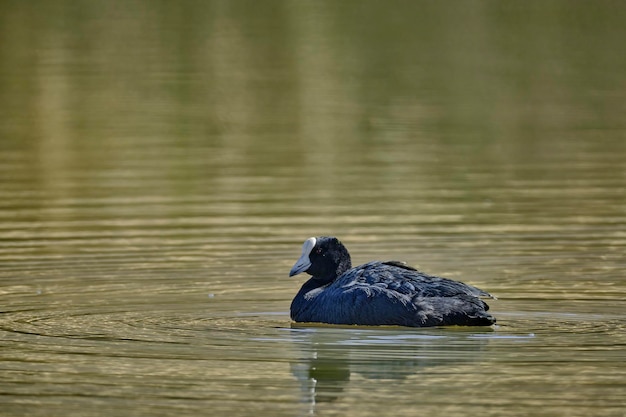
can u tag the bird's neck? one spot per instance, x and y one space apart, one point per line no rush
311 284
324 277
343 266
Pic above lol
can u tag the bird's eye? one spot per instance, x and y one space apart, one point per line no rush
319 251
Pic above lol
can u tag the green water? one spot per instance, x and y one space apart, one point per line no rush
162 162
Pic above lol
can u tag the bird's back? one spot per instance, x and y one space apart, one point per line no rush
402 278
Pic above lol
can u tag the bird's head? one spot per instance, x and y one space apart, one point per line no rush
324 257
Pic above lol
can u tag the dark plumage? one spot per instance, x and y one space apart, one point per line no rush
379 293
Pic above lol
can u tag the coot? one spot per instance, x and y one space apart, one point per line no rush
379 293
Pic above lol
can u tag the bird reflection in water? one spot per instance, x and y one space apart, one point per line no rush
331 354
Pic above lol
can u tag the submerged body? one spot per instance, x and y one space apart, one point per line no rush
379 293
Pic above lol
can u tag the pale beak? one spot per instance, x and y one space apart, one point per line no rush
301 265
304 262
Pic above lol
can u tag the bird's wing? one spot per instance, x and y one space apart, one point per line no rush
365 305
404 279
377 305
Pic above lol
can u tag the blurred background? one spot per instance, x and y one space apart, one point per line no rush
162 162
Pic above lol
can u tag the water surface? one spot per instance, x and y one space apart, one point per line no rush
161 164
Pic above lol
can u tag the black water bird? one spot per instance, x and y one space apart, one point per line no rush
379 293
